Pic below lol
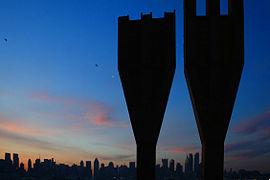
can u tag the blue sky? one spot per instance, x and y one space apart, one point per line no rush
54 101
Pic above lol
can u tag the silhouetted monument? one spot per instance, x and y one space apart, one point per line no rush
146 64
214 59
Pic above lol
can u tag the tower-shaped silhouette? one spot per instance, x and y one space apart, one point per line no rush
214 59
146 64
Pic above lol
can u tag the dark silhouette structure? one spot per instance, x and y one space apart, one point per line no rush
49 169
214 59
146 64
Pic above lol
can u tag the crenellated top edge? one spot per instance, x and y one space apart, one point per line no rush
146 16
235 8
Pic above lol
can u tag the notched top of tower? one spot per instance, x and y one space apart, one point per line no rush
235 8
147 16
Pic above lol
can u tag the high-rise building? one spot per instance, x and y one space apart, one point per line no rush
47 163
37 163
110 169
89 168
29 165
186 165
132 168
111 165
196 163
189 164
96 168
88 164
165 163
190 161
179 169
102 166
22 166
131 165
53 162
15 161
82 164
171 165
7 157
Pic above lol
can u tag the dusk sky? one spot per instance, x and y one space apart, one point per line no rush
55 102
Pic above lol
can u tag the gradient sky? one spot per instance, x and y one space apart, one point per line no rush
54 101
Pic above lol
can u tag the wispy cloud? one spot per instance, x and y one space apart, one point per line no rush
185 149
257 144
27 140
84 112
240 145
19 128
253 125
117 157
9 124
125 148
251 152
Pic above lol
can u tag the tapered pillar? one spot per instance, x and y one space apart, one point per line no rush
146 64
214 59
146 160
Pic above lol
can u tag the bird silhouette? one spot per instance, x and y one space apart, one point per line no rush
96 65
6 39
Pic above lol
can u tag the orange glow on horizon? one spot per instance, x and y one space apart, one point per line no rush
19 128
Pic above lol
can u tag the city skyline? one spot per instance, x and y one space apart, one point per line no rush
61 96
162 161
49 168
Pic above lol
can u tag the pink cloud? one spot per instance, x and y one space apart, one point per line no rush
46 97
23 129
240 145
254 124
266 132
258 129
184 150
253 152
80 111
8 93
125 148
100 119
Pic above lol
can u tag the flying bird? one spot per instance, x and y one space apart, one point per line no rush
6 39
96 65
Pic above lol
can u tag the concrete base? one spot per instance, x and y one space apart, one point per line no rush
146 161
213 160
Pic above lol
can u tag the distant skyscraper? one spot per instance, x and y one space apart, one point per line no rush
172 165
102 165
165 163
96 168
82 164
189 164
89 168
8 159
196 163
22 166
53 162
37 163
29 165
131 165
111 165
190 161
179 169
88 164
132 168
16 161
186 165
